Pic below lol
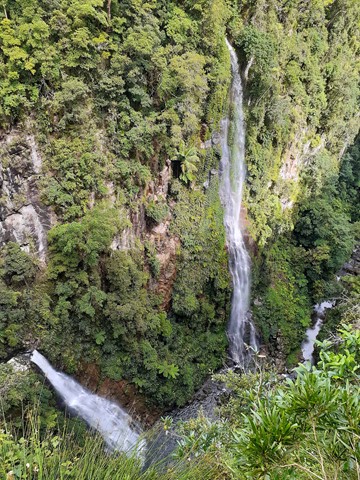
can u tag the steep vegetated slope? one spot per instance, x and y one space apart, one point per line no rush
303 112
115 250
112 254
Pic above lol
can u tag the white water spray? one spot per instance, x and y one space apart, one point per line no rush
110 420
241 330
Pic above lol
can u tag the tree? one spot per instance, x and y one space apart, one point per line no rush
188 158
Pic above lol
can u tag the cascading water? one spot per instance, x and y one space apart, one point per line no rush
110 420
311 334
241 330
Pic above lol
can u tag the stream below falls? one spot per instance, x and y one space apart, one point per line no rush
308 345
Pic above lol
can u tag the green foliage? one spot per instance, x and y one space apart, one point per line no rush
302 69
349 180
82 242
323 224
168 370
160 354
17 268
152 259
65 451
313 413
188 159
202 268
157 211
131 176
283 307
77 295
300 199
300 428
298 270
199 436
20 387
112 90
77 168
23 306
184 76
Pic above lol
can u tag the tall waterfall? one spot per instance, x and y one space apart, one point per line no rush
241 331
110 420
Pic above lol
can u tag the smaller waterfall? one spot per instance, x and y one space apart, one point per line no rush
307 345
241 330
110 420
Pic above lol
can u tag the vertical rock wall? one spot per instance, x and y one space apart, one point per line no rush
23 217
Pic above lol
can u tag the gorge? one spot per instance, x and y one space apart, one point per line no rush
172 207
108 418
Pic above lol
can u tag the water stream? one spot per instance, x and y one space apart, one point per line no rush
241 330
312 332
108 418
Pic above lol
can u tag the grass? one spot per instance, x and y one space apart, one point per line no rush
34 452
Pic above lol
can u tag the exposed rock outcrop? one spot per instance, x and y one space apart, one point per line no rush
23 217
352 267
166 244
299 152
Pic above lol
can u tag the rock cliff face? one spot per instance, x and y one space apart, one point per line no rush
167 246
26 220
23 217
297 155
163 243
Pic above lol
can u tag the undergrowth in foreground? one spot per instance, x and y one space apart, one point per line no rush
30 453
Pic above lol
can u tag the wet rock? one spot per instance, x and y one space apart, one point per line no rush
125 241
216 138
204 402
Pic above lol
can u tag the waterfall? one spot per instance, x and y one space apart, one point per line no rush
241 330
110 420
312 332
